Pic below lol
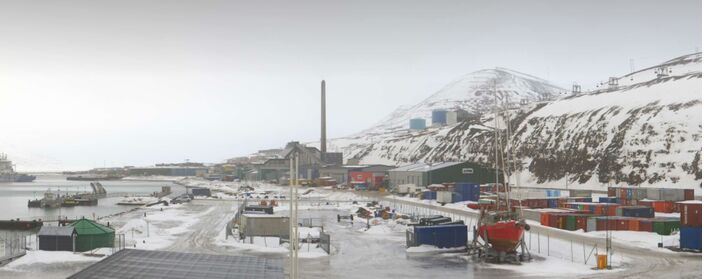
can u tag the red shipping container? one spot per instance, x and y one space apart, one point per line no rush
689 194
645 226
691 214
553 221
618 224
633 225
663 206
601 224
611 210
581 222
612 192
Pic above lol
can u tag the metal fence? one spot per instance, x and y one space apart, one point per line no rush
325 242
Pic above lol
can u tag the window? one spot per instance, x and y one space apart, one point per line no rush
467 171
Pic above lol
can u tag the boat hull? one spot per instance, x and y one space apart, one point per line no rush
503 236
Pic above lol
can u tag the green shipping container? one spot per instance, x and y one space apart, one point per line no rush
571 223
91 235
665 227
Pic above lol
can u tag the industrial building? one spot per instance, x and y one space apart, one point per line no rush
56 238
424 174
91 235
371 175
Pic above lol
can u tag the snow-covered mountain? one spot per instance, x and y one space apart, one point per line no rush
643 129
474 93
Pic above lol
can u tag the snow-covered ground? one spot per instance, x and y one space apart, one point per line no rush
34 257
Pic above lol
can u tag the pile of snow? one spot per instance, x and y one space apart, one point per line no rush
34 257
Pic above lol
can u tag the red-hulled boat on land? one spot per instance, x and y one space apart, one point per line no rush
502 231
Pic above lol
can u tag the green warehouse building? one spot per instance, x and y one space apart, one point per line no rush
424 174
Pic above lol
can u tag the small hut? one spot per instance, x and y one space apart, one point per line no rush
91 235
53 238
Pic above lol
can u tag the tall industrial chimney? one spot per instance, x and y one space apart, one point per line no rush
323 136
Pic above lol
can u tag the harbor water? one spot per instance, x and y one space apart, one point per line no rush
14 197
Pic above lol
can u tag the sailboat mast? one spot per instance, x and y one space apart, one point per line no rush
496 144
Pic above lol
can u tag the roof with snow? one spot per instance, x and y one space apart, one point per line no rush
55 231
133 263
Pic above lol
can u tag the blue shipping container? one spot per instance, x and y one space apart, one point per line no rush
552 203
449 236
468 191
608 200
691 238
429 195
643 212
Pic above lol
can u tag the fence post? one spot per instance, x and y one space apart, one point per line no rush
548 244
538 243
571 251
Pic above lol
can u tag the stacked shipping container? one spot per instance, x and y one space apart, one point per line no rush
691 225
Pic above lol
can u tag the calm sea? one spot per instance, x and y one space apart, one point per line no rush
14 197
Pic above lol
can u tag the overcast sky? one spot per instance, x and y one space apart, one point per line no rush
93 83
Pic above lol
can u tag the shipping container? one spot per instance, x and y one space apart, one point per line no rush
689 194
691 238
442 236
609 200
468 191
645 225
553 203
591 224
570 223
612 192
633 225
429 195
545 219
690 213
665 226
636 211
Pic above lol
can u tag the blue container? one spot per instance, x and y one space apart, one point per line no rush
691 238
552 203
429 195
586 199
643 212
447 236
439 116
416 124
608 200
467 191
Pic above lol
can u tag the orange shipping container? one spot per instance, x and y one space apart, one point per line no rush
633 225
545 219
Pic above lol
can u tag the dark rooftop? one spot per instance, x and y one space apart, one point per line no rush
133 263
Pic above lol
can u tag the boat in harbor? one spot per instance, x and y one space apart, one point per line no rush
8 174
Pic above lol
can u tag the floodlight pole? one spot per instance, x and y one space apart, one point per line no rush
290 219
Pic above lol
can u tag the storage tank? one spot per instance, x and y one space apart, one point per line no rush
417 124
439 117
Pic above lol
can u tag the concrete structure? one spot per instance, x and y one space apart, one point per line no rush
424 174
133 263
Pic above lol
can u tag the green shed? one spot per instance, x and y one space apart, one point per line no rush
91 235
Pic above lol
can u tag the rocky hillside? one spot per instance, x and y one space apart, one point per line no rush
644 129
